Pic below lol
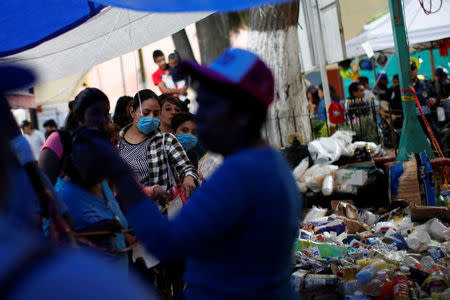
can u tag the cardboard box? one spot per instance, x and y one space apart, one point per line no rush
298 279
351 176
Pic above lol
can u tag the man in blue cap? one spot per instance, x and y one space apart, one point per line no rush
237 230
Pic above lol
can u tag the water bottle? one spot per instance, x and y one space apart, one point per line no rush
350 288
401 289
367 273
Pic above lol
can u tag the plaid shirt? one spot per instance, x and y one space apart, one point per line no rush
157 162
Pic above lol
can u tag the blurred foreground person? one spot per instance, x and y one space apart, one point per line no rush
31 268
237 230
93 207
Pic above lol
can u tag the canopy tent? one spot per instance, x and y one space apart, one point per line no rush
110 33
421 28
59 38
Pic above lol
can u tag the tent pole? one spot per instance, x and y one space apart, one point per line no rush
413 138
433 68
142 69
320 48
122 72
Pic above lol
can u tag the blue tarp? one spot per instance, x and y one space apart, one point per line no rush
27 24
188 5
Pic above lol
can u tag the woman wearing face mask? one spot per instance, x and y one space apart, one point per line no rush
185 129
89 109
170 106
150 153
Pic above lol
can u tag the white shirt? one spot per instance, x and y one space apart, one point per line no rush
36 141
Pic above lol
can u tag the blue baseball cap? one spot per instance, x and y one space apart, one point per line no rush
237 68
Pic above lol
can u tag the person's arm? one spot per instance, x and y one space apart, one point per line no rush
167 90
180 161
50 164
212 212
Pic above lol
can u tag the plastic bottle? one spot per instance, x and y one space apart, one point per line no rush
401 289
410 261
375 287
349 288
349 272
367 273
387 290
429 265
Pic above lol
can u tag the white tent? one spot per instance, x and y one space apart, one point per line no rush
110 33
420 28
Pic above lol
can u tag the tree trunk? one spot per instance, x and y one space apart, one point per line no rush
273 36
183 45
213 34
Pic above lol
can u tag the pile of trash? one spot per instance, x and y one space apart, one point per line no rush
326 177
363 255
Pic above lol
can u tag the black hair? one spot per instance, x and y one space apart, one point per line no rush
78 106
395 76
25 123
334 95
169 98
50 123
144 95
121 114
353 88
363 80
156 54
313 90
413 66
174 55
179 119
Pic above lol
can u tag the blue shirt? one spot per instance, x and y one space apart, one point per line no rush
237 230
321 110
87 209
64 274
424 91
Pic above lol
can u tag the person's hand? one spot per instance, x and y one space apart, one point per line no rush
188 186
430 102
200 174
183 90
160 195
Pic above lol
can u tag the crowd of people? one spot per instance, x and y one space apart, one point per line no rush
384 103
117 178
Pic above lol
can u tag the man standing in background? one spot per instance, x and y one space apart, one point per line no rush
35 138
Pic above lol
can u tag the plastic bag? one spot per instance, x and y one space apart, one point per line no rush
344 135
418 240
437 230
315 175
300 170
326 150
314 213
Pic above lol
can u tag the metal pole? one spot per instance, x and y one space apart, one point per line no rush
142 69
122 72
320 50
433 68
413 139
279 128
